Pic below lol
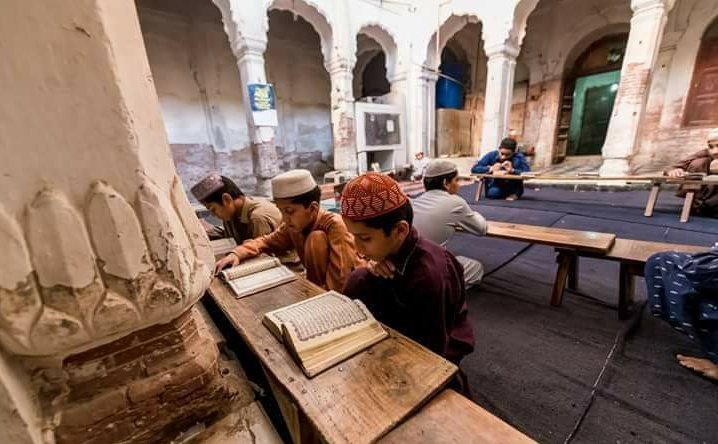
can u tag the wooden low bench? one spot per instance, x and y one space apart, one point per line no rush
357 401
632 256
570 242
451 418
690 186
555 237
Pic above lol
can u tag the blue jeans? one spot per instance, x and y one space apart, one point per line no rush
501 189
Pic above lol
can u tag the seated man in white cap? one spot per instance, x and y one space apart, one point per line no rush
439 211
704 161
319 237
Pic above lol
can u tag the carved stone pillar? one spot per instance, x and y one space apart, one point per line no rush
250 60
499 93
342 114
103 257
644 39
420 94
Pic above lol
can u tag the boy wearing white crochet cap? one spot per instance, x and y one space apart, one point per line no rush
319 237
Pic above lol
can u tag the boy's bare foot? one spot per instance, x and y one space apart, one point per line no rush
512 197
700 365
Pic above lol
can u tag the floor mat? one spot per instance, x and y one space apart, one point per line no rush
535 365
625 206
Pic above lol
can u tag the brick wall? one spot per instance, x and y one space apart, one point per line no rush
145 387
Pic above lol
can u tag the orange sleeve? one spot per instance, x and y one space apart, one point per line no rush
277 242
343 257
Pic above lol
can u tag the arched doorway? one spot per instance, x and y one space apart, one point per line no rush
370 73
702 104
589 94
454 77
295 65
459 92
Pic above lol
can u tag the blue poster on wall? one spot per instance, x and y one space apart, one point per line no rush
262 103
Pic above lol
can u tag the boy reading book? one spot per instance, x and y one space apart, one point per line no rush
320 238
244 217
422 295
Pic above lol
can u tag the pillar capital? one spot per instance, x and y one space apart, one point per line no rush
644 6
502 50
248 48
339 65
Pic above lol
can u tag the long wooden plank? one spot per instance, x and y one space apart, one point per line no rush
653 179
555 237
638 252
451 418
358 400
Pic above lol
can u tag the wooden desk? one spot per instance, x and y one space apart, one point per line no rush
480 178
567 242
555 237
689 186
358 400
451 418
632 256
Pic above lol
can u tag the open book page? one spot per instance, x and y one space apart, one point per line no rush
250 266
256 275
324 330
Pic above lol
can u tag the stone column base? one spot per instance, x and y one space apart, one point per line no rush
614 167
145 387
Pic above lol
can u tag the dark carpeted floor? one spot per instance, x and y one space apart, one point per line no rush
535 365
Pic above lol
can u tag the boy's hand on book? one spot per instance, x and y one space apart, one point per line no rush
384 269
230 260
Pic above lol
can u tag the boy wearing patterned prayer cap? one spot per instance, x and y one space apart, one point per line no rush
319 237
244 217
424 296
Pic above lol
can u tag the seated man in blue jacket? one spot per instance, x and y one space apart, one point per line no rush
501 162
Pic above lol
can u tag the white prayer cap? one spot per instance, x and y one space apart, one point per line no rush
713 135
439 167
293 183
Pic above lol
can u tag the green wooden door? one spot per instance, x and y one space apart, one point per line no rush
596 115
593 100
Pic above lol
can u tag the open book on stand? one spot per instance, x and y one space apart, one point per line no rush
257 274
322 331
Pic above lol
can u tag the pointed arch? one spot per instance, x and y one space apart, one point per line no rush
453 24
315 16
387 41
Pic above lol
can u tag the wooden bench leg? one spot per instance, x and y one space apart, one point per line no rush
626 289
687 204
573 273
564 263
479 190
299 426
652 199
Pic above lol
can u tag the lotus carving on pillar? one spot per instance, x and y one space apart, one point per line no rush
79 276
